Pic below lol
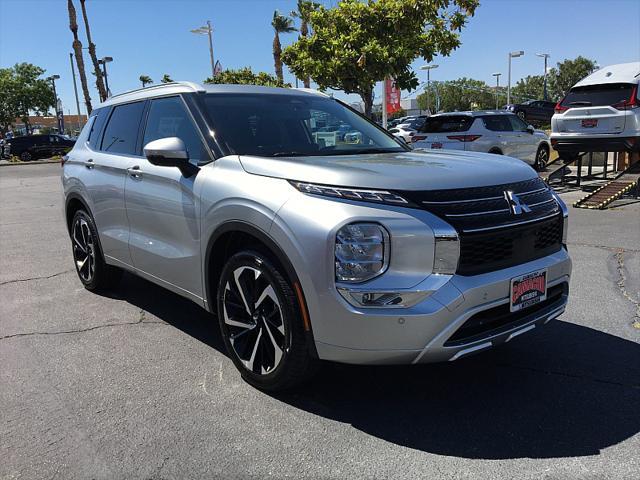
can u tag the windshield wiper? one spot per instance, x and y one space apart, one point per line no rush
363 151
293 154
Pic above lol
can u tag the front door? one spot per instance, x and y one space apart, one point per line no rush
163 207
527 142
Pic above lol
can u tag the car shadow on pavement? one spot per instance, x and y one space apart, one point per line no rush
562 391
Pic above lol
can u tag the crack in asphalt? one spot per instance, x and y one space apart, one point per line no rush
46 277
604 247
621 283
570 375
141 320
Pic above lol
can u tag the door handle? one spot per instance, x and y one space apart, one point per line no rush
134 171
89 164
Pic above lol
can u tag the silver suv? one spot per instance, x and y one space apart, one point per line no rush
308 247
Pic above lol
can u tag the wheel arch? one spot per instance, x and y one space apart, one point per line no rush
495 150
73 203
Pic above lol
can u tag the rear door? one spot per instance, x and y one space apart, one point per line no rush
163 210
595 109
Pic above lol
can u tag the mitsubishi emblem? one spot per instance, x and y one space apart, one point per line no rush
515 205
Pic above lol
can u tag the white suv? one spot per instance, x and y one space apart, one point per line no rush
498 132
600 113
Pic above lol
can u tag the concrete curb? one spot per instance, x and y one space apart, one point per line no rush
6 163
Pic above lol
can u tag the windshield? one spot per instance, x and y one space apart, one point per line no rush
598 95
272 125
447 123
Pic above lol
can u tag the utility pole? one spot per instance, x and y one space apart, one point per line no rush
428 68
497 75
75 88
58 105
519 53
384 103
103 61
207 30
545 56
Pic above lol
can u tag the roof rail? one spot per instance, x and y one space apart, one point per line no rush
191 85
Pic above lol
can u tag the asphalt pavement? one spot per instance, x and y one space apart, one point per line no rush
135 384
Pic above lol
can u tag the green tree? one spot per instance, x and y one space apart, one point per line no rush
567 73
357 44
303 11
145 80
22 91
244 76
280 24
529 88
459 95
166 78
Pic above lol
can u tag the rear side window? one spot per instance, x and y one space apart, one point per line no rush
497 123
447 123
121 132
168 117
96 128
598 95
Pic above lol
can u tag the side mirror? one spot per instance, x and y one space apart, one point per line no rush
170 152
530 129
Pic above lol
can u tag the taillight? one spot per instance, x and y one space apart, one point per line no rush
559 108
631 103
464 138
418 138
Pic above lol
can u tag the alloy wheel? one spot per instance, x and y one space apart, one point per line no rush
84 252
543 158
522 115
254 321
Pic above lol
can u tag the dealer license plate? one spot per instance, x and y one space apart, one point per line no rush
528 290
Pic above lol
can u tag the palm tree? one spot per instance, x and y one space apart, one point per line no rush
166 78
77 50
304 11
280 24
145 79
102 91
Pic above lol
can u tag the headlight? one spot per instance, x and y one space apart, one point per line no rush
446 254
361 252
378 196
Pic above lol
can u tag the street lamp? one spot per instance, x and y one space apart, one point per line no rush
519 53
103 61
57 104
428 68
497 75
545 56
207 30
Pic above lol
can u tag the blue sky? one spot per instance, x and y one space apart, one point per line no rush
152 37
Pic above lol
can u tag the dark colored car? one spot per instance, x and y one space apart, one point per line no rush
38 146
533 111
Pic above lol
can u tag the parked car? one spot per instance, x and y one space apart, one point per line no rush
601 113
533 111
32 147
363 253
497 132
405 133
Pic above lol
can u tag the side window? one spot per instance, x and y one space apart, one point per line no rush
497 123
517 124
121 132
96 128
168 117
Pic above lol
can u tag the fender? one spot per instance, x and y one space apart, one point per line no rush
74 196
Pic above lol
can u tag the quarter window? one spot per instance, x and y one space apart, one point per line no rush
169 118
121 133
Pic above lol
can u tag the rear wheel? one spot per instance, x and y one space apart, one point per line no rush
92 271
521 114
26 156
261 323
542 158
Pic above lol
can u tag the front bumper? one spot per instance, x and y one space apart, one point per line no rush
430 331
609 143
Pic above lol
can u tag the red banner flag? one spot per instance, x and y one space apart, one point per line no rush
393 96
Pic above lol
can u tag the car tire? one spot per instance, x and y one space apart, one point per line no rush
495 151
542 158
91 268
261 322
26 156
522 115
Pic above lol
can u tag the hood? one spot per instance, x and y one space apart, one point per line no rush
415 170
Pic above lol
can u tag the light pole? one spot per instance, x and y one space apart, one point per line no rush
103 61
75 88
545 56
497 75
207 30
428 68
59 113
519 53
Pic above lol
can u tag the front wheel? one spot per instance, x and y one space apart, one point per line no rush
261 324
26 156
542 158
522 115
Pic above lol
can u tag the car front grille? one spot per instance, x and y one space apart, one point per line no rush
492 236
